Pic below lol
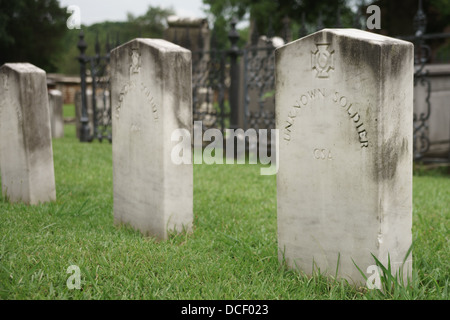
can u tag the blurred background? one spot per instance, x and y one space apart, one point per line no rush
232 44
36 31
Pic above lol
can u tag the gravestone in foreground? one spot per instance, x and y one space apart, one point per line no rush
344 102
151 97
26 156
55 101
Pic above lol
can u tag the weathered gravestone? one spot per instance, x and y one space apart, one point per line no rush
26 156
151 97
344 103
55 101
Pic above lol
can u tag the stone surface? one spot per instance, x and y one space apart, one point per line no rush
344 102
55 102
26 156
151 97
190 33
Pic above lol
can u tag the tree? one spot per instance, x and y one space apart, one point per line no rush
153 21
437 20
395 24
149 25
268 15
31 31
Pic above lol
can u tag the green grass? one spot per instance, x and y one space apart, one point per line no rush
69 111
231 254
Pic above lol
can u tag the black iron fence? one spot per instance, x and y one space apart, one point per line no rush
210 89
424 108
95 114
235 87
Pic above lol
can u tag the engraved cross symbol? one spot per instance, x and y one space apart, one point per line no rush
135 66
322 60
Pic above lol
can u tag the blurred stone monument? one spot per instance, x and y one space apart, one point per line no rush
190 33
194 35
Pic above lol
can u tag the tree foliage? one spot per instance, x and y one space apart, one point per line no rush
153 21
31 31
149 25
267 16
396 16
35 31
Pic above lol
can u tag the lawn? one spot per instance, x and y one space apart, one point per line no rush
231 254
69 111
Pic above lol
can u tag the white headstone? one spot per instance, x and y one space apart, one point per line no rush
26 156
151 97
344 102
55 100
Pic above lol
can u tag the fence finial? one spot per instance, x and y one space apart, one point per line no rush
107 45
338 17
81 45
97 47
320 24
286 29
420 21
254 37
270 31
233 35
302 31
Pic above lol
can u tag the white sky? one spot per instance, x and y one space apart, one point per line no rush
93 11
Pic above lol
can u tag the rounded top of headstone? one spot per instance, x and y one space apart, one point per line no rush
353 34
176 21
274 41
162 44
363 35
158 44
55 92
24 67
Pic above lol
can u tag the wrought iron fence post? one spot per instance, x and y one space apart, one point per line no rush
95 61
95 123
234 53
287 37
320 24
422 54
338 18
85 135
302 30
